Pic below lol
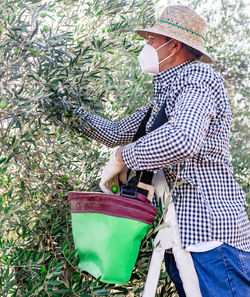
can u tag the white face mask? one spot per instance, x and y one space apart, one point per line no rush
148 59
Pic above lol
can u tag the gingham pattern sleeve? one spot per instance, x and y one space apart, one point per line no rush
107 132
184 134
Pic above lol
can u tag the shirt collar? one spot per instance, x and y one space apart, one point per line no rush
168 74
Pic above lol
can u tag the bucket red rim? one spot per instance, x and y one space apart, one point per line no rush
114 205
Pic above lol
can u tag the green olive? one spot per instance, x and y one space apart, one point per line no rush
114 189
60 130
3 104
45 28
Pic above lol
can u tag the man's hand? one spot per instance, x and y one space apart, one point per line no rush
114 168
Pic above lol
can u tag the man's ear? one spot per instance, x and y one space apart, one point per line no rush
177 45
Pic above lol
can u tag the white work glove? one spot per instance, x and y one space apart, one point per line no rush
110 174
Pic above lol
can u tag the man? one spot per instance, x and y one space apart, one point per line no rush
210 206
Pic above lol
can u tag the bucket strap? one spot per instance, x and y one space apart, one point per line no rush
146 176
141 131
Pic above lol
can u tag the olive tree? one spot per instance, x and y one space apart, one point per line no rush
62 52
54 54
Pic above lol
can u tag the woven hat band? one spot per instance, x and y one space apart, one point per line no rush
182 28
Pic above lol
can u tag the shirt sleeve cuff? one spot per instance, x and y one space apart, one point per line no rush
129 156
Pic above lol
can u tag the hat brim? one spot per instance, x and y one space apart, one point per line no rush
145 34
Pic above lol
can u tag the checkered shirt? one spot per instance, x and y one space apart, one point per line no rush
210 204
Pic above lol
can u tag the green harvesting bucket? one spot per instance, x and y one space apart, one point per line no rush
107 231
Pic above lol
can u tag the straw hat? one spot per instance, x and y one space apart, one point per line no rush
183 24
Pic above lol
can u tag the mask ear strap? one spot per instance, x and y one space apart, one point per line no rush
164 44
166 58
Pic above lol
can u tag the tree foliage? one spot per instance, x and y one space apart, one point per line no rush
62 52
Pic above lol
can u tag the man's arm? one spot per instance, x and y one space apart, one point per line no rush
180 138
107 132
